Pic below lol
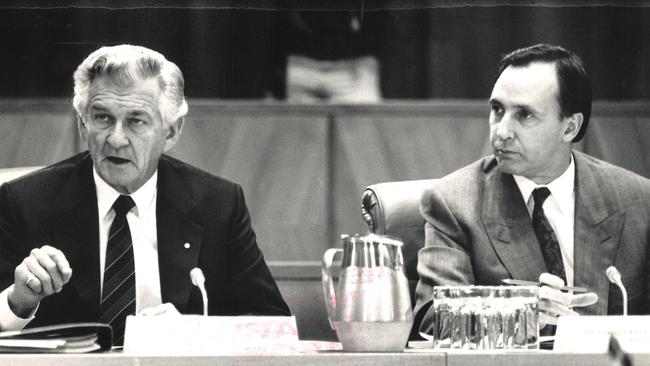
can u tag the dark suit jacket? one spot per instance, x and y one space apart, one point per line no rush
478 231
58 206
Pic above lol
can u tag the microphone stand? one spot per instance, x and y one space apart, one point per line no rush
199 281
614 276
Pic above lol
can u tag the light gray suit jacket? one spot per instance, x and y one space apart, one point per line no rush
478 231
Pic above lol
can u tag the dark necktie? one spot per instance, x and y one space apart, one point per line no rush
546 236
118 291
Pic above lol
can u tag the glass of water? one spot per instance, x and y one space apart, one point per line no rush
485 317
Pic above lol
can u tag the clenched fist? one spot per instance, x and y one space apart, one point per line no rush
43 273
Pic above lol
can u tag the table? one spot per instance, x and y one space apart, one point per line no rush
408 358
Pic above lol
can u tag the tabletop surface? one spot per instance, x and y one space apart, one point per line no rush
324 357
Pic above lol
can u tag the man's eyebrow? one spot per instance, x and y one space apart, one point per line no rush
139 112
494 101
98 106
528 107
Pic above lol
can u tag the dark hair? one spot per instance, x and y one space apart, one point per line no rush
573 81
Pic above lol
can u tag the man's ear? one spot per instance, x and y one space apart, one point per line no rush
574 122
82 127
174 129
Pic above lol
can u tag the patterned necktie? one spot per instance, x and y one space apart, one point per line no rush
546 236
118 291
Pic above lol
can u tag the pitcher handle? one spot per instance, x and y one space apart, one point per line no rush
328 283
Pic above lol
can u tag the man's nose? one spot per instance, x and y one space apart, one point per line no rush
117 137
505 128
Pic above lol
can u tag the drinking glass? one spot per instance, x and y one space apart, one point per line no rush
485 317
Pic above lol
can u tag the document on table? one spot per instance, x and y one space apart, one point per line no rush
60 338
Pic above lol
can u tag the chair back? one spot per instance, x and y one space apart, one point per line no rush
393 208
7 174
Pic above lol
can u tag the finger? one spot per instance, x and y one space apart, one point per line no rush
24 296
554 309
554 295
22 277
34 267
61 262
50 266
551 280
34 284
545 318
584 299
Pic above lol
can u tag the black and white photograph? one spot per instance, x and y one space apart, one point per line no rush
434 182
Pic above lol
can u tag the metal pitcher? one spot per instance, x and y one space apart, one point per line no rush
371 308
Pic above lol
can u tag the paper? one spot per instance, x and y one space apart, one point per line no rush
590 334
210 335
32 343
58 338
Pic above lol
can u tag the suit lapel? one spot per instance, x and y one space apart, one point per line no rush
507 223
179 237
76 233
596 237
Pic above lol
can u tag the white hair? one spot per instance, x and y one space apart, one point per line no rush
126 64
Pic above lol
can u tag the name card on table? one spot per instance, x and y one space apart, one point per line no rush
210 335
590 334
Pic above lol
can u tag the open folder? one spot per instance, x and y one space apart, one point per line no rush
60 338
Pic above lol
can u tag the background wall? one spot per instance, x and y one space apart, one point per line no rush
426 49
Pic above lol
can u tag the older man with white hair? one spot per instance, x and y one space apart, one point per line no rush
116 230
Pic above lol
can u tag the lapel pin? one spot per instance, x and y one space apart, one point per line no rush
187 245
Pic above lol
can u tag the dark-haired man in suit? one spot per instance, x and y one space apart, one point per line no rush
537 210
116 230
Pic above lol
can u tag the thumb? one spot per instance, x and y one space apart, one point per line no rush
584 299
34 284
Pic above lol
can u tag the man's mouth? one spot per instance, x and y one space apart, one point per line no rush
503 152
117 160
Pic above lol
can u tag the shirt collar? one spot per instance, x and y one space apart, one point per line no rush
106 195
561 187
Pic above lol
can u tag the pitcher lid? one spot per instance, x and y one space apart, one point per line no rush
373 238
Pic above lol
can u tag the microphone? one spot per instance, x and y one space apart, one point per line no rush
614 276
198 280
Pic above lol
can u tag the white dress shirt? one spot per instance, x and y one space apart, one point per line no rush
559 209
142 223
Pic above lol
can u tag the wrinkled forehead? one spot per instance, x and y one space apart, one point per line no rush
139 94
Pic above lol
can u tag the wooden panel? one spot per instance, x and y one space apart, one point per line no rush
622 141
36 132
281 162
394 145
301 287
